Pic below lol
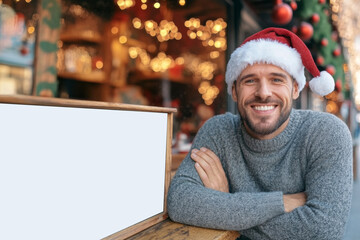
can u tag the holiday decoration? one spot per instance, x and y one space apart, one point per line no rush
327 52
315 18
330 69
305 31
293 5
337 51
324 42
335 36
277 46
320 60
338 85
282 13
24 50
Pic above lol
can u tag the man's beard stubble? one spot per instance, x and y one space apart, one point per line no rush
284 115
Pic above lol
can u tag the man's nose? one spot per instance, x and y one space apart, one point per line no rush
264 90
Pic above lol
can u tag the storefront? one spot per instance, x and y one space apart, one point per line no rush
158 53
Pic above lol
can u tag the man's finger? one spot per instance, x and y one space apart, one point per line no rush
202 174
200 158
213 158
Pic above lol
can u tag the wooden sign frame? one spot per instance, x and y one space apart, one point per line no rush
40 101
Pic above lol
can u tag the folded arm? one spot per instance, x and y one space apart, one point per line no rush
191 203
328 188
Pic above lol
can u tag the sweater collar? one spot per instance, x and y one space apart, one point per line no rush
275 143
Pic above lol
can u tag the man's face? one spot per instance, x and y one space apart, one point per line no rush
264 94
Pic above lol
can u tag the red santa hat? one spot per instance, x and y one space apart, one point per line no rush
281 48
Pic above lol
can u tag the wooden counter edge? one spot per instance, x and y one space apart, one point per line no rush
63 102
168 229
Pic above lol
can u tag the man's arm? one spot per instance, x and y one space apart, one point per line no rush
261 215
328 188
212 174
191 203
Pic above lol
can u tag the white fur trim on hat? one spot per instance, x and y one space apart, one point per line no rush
322 85
265 51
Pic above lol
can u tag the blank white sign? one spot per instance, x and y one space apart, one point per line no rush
78 173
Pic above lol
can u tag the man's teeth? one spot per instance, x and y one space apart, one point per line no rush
263 108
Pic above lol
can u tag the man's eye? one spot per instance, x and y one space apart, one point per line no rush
249 81
278 80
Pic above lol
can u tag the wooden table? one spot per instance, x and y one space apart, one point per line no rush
168 229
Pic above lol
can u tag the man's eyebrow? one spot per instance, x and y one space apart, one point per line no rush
278 74
246 76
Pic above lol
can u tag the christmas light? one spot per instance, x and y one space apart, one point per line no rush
182 2
124 4
345 15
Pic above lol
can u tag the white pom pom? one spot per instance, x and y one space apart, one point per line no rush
322 85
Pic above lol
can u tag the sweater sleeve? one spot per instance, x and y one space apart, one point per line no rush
328 183
191 203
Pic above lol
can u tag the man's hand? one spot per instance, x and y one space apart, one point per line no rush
292 201
210 170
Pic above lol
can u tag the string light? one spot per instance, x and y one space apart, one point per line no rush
182 2
124 4
137 23
346 18
99 64
114 30
208 92
164 31
157 5
123 39
211 34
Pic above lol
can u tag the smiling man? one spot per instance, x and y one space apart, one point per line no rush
271 172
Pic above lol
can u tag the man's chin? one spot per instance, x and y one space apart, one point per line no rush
263 130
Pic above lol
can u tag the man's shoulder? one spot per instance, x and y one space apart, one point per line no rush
227 122
223 119
316 117
315 121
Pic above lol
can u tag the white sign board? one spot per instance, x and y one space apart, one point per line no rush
78 173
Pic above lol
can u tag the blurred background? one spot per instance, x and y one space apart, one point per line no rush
173 53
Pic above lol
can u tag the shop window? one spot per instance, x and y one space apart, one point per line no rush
159 53
18 22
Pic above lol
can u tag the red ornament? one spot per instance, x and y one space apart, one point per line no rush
322 1
305 31
282 13
330 69
315 18
293 5
324 42
337 52
320 60
338 85
294 29
335 36
24 50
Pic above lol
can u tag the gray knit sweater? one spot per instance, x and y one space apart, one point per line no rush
313 154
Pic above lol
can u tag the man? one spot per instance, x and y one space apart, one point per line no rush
273 172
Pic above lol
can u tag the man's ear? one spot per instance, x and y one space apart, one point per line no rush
295 90
233 92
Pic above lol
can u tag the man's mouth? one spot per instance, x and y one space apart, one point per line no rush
264 107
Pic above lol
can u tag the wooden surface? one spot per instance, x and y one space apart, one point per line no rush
175 231
49 101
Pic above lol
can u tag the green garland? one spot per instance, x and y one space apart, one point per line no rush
323 29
